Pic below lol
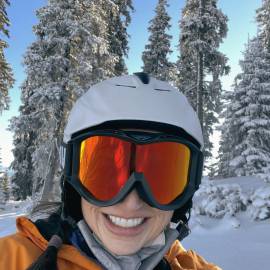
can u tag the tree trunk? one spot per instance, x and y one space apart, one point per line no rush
51 189
200 87
200 69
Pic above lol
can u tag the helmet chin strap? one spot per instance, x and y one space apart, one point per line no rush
182 229
180 220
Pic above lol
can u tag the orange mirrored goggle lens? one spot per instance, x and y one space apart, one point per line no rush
107 162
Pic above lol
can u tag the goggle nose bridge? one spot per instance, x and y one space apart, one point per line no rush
137 181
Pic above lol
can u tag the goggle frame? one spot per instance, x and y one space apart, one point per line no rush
135 180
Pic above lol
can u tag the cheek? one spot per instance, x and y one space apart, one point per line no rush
91 215
159 222
164 218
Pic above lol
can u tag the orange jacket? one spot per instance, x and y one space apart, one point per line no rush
19 250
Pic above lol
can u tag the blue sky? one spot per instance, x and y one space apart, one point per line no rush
241 15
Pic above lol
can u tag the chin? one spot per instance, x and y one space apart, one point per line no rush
122 250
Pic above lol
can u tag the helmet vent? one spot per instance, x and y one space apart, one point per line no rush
130 86
144 77
158 89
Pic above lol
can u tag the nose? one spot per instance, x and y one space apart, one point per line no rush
132 201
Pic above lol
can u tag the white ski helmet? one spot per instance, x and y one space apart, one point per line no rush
131 101
133 97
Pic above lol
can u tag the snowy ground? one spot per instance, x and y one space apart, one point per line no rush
233 243
8 216
246 247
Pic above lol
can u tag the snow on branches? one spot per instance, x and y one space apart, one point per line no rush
218 200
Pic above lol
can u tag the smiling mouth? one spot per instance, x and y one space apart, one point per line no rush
125 223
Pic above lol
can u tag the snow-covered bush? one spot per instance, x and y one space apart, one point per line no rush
265 176
218 200
259 209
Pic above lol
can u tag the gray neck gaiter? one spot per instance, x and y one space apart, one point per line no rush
145 259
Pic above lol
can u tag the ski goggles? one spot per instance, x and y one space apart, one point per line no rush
105 165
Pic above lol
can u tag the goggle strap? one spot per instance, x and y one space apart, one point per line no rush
65 158
183 230
199 170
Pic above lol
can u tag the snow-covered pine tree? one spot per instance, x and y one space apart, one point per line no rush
4 187
117 33
4 182
6 75
202 32
71 53
2 200
1 165
23 141
155 55
226 138
250 116
263 19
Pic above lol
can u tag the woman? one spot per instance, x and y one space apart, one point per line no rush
132 163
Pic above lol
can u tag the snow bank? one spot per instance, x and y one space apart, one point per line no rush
218 200
259 208
227 197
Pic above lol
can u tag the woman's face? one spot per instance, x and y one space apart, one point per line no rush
128 226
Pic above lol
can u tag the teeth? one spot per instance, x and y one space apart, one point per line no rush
126 223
